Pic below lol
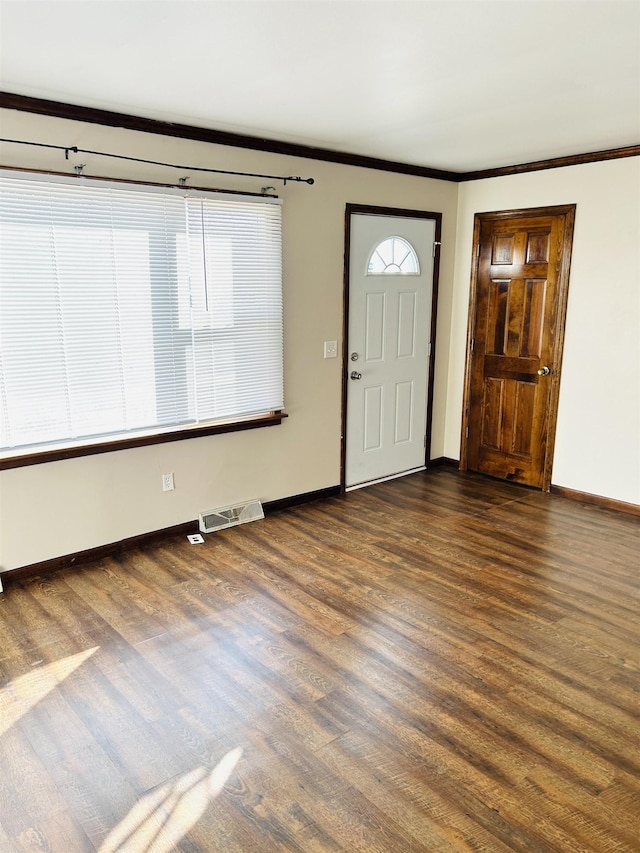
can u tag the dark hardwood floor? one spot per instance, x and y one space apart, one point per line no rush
438 663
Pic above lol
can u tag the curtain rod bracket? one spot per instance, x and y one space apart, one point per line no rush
183 181
78 169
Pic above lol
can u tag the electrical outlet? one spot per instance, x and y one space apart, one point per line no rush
167 482
331 349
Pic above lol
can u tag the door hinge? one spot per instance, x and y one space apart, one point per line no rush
473 344
436 243
467 432
425 441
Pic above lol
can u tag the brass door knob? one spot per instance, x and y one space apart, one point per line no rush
544 371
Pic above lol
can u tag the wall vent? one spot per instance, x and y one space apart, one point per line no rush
229 516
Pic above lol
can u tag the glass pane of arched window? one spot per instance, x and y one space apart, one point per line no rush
393 256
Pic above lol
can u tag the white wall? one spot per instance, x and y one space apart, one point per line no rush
63 507
598 432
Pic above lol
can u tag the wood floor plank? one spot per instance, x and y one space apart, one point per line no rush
439 663
28 794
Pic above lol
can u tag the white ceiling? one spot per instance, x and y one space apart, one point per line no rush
452 85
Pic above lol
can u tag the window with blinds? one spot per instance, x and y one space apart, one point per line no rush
127 310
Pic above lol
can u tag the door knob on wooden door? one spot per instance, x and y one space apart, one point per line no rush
544 371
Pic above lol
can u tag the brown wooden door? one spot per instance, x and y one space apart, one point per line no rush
519 292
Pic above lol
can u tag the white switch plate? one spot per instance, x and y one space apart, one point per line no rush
331 349
167 482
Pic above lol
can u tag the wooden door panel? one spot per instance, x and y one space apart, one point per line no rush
520 292
492 413
497 316
502 249
535 299
515 318
523 413
507 414
538 247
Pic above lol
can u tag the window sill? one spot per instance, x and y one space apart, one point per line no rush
39 457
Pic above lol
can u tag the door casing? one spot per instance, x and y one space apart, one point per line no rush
568 211
373 210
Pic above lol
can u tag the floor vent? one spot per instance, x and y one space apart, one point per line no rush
229 516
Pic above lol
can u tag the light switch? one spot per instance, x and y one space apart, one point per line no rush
331 349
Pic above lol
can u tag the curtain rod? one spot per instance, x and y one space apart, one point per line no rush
76 150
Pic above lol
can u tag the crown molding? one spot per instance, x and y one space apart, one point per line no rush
109 118
92 115
554 163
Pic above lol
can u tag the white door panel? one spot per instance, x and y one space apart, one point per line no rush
404 412
389 330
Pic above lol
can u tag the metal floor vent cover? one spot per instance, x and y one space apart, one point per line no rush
229 516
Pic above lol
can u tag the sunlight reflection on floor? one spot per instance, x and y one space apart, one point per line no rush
160 819
24 692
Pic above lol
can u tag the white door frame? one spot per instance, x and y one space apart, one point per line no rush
409 214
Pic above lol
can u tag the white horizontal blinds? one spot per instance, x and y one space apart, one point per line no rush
86 271
101 332
236 306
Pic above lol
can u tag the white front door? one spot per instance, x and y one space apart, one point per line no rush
390 295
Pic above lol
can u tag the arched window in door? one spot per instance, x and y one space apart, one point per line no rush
393 256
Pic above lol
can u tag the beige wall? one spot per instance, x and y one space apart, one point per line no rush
62 507
598 432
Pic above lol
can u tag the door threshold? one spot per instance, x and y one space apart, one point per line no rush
384 479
